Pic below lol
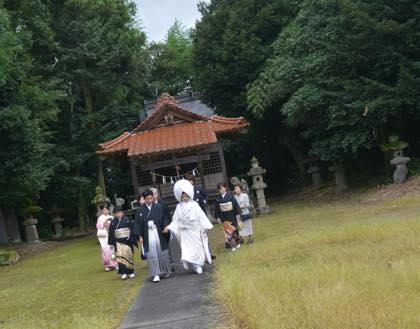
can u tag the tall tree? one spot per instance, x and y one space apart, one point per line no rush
101 61
231 44
171 61
338 71
27 105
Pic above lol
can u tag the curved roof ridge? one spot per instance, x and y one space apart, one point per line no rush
220 118
116 140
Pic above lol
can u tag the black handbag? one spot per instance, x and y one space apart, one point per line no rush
246 217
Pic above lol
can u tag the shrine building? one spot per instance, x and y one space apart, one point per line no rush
172 142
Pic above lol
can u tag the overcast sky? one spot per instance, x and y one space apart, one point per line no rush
156 16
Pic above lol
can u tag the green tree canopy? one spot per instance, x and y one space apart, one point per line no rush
171 61
27 108
73 73
102 63
345 71
231 43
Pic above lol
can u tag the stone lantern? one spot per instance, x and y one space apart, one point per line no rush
58 228
31 232
56 222
396 148
315 172
340 177
256 172
401 170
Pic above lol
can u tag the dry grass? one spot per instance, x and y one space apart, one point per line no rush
334 265
65 288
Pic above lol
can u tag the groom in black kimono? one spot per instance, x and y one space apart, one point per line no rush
150 211
158 200
150 217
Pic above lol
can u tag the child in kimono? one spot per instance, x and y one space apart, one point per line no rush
122 238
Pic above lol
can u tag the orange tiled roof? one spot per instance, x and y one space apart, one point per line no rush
172 137
151 137
176 137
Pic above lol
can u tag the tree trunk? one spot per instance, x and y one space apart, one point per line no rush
3 234
100 177
82 212
83 217
13 225
289 138
87 97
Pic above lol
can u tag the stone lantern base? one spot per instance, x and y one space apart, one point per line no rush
315 172
58 228
340 177
31 232
264 210
401 169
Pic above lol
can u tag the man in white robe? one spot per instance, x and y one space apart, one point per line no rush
189 225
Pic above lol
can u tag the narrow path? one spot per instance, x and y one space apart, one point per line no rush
179 302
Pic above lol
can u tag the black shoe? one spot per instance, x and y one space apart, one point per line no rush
227 245
213 257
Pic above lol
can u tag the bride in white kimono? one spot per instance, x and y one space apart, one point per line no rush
189 226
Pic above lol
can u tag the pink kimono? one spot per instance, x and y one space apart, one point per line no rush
102 225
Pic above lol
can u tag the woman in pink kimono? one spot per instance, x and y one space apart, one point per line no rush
102 225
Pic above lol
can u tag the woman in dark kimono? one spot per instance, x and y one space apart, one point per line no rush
150 222
121 237
228 212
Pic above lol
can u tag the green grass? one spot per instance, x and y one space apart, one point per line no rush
334 265
65 288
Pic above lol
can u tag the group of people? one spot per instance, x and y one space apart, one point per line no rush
153 227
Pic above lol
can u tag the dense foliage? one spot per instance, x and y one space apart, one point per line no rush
101 62
73 74
332 78
345 71
171 61
27 106
327 78
231 44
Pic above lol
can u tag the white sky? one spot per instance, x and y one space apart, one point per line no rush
156 16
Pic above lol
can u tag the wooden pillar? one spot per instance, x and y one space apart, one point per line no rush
100 176
134 177
200 163
223 163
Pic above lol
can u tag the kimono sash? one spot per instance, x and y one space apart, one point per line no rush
227 206
122 233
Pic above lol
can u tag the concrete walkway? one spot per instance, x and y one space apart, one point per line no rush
179 302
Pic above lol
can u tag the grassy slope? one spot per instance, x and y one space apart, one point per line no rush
329 265
65 288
